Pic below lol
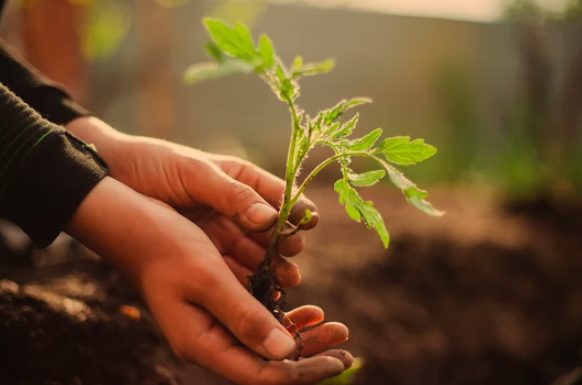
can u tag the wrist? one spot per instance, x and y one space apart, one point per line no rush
119 224
110 144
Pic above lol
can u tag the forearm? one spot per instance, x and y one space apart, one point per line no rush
44 172
111 221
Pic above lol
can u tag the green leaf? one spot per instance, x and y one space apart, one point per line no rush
235 42
334 113
364 143
346 129
288 88
297 63
400 150
280 73
366 179
354 102
214 52
307 217
358 209
266 51
413 194
212 70
311 69
245 38
225 37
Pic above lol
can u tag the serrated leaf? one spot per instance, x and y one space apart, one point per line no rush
232 41
212 70
358 209
400 150
334 113
225 37
364 143
246 38
413 194
310 69
354 102
416 198
347 197
213 52
366 179
266 51
346 129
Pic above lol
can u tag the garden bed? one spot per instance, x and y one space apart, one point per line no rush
485 295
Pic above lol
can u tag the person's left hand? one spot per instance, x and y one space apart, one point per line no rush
234 201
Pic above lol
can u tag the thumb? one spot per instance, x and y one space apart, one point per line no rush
243 315
232 198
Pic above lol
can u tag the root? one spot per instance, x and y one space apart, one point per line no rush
263 285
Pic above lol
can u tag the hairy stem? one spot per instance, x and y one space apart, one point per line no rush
287 203
323 165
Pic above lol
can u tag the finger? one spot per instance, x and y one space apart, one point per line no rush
241 272
231 241
239 311
208 184
289 246
271 188
303 317
196 337
323 337
306 371
343 355
288 273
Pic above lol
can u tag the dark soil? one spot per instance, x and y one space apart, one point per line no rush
63 323
486 295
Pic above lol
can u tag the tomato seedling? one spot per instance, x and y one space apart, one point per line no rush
233 51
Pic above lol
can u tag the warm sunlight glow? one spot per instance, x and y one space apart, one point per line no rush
471 10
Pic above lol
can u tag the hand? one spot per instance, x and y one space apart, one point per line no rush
232 200
195 298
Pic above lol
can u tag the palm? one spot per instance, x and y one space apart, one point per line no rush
216 349
241 250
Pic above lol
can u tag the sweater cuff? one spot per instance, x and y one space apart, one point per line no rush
54 104
50 192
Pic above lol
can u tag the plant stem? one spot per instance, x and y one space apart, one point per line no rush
287 203
320 167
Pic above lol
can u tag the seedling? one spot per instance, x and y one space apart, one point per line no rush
233 51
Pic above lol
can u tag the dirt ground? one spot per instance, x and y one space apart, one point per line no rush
489 294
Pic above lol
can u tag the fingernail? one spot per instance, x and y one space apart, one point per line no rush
279 344
259 213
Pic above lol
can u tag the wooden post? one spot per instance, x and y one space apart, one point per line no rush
51 42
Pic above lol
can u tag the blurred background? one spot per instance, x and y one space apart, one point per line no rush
489 294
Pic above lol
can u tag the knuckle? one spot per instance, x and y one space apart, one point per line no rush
204 277
295 375
236 193
248 325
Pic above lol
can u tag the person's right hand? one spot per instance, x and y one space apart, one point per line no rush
196 299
